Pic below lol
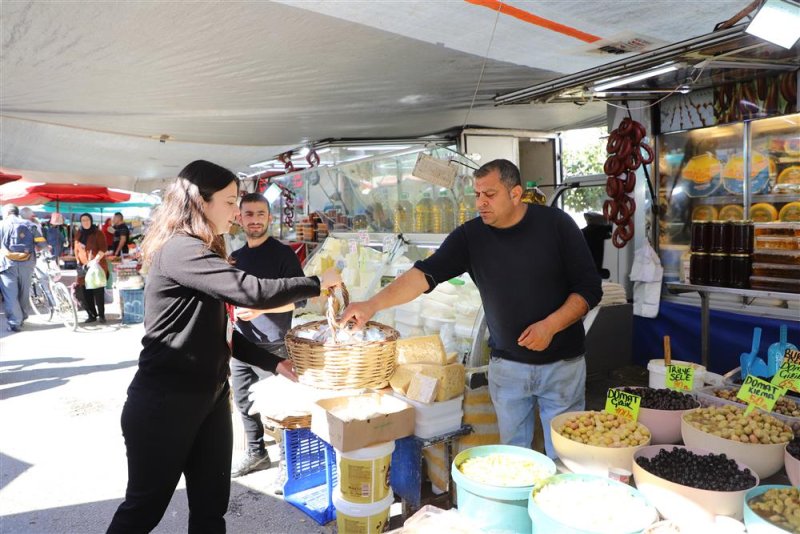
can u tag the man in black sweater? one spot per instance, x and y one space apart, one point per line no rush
536 278
265 258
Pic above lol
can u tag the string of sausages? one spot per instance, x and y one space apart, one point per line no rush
626 153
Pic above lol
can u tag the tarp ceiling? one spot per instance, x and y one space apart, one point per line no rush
89 87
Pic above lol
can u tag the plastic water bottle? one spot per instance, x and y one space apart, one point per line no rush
466 208
403 215
423 214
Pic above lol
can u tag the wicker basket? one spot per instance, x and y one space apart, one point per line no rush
368 364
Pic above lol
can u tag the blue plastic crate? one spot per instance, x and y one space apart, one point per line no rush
132 305
310 474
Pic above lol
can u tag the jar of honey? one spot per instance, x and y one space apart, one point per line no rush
740 267
719 270
701 236
742 237
699 268
721 237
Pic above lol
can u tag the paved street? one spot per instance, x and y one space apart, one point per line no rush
62 456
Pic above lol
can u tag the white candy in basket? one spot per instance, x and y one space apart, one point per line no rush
323 335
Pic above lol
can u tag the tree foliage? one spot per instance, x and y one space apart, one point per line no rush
582 161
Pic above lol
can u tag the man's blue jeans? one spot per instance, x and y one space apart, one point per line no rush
516 389
15 284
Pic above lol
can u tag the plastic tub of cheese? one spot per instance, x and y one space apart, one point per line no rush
493 483
587 504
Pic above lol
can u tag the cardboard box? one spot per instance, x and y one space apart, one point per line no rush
354 422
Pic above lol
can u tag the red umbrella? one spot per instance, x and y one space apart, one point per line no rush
6 178
44 193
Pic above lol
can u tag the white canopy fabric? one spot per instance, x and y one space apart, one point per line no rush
89 87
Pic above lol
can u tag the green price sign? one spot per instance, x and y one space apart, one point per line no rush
792 355
788 376
680 377
623 404
759 393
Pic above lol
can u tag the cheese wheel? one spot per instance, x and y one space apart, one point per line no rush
704 213
763 212
731 212
701 169
790 175
423 349
790 212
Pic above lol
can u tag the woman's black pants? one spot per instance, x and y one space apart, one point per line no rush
169 433
94 303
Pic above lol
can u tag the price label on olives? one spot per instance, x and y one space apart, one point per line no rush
680 377
759 393
792 355
623 404
788 376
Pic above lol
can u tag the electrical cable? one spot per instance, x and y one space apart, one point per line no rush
483 67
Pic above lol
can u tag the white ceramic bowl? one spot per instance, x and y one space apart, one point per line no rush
792 468
589 459
684 504
763 460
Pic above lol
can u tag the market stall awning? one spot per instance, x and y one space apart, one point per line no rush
44 193
6 178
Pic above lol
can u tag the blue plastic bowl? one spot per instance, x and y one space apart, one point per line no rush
496 509
543 523
755 523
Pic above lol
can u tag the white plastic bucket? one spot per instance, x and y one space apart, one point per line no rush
361 518
658 374
364 473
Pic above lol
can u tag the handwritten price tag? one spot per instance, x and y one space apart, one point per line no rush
788 376
792 355
759 393
680 377
623 404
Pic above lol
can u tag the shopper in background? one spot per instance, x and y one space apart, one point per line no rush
177 417
90 245
56 235
28 214
536 278
122 236
107 233
268 258
18 243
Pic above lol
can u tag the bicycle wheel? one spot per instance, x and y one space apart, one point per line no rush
65 306
39 301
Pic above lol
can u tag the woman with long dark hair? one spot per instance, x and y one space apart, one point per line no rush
177 417
90 244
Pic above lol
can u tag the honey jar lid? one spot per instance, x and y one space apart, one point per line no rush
719 254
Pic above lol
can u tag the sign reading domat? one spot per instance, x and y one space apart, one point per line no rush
436 171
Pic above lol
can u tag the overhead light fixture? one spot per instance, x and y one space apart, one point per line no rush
778 21
377 147
602 85
714 64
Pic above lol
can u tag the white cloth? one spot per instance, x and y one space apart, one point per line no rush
613 294
646 274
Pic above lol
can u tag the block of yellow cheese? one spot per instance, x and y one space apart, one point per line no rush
451 378
422 388
423 349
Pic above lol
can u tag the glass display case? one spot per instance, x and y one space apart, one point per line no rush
701 175
376 194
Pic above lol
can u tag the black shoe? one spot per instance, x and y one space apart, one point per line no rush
14 328
90 320
102 320
250 462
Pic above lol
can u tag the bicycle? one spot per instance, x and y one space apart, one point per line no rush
49 296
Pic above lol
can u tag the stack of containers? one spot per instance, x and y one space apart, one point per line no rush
362 496
721 253
776 258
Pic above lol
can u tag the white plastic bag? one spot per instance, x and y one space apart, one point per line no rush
646 274
95 275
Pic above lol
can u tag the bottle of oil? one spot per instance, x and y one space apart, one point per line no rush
444 214
403 215
423 215
533 195
466 208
